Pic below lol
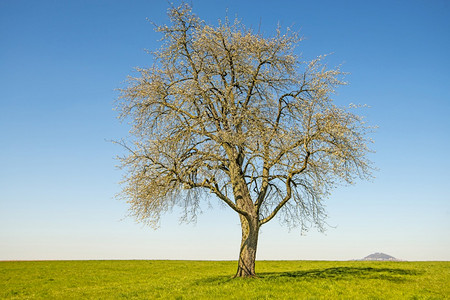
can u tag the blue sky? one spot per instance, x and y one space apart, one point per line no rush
61 61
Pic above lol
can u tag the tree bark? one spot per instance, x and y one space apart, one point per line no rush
247 254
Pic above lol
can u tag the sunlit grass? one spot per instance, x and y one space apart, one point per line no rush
213 279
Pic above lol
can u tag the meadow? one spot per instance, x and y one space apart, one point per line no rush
148 279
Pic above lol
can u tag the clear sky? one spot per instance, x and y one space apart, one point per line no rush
61 61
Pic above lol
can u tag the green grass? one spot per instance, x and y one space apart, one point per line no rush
212 280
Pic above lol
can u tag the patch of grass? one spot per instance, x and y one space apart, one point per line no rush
213 279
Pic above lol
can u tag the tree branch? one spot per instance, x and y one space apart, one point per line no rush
288 191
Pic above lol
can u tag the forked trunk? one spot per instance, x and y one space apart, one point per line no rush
247 255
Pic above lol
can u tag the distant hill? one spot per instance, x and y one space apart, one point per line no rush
380 256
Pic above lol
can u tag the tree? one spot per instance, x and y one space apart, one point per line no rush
229 112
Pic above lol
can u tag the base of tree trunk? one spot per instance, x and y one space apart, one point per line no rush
244 274
246 269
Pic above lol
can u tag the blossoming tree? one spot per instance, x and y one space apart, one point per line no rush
229 112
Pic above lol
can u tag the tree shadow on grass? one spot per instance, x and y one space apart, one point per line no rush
345 273
337 273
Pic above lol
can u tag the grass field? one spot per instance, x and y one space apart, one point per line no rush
138 279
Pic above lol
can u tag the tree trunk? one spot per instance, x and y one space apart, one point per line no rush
247 255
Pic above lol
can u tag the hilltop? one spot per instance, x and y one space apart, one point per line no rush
380 256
